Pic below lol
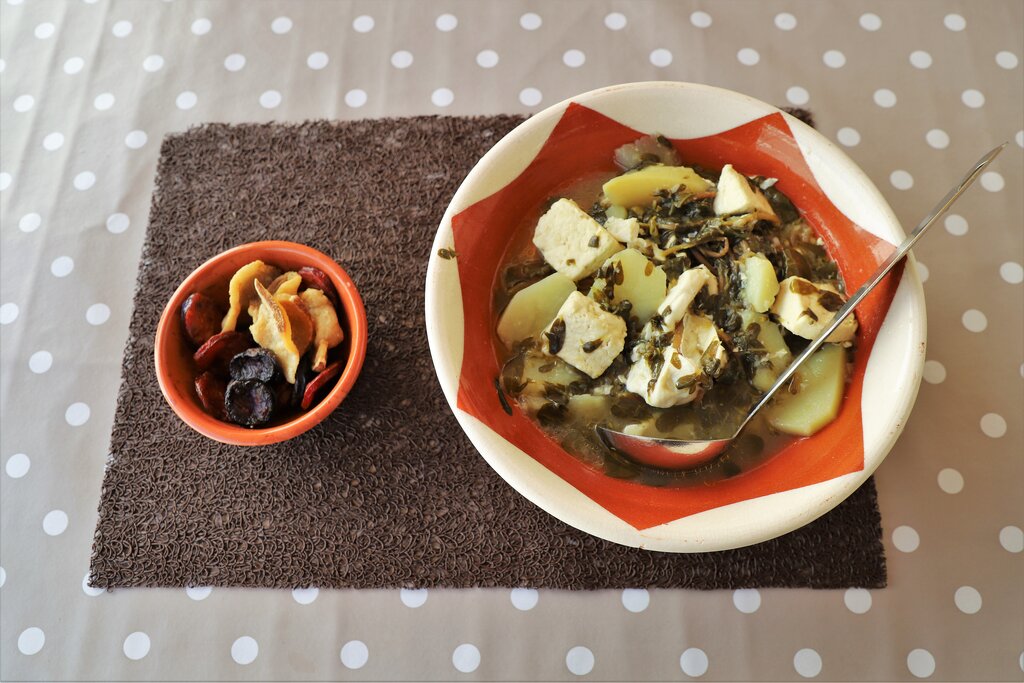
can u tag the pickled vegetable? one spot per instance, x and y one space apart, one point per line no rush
327 332
201 317
273 331
816 395
241 290
249 402
299 319
319 382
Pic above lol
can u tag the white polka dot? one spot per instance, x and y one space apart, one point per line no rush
233 62
530 97
920 662
8 313
363 23
807 662
487 59
5 180
524 599
466 658
992 181
967 599
401 59
73 65
152 63
848 137
901 180
746 600
355 98
700 19
920 59
974 320
30 222
89 590
1012 539
186 100
245 650
18 465
116 224
97 313
785 21
77 414
281 25
1007 60
748 56
993 425
616 21
201 27
53 142
693 662
870 22
305 596
885 98
530 21
413 597
104 101
973 98
937 138
446 22
857 600
45 30
40 361
797 95
442 97
834 59
934 372
23 103
354 654
121 29
955 22
270 99
1012 272
84 180
956 224
661 57
31 641
579 660
62 266
922 271
198 593
317 60
905 539
136 139
136 645
574 58
55 522
635 599
951 481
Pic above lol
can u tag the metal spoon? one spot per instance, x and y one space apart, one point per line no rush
684 454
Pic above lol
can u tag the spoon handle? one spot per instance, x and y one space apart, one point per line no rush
870 284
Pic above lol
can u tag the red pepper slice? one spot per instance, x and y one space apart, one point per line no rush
220 349
315 384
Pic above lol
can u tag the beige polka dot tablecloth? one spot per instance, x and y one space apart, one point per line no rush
915 92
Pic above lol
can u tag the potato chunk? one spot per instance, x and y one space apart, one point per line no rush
819 383
327 332
241 290
760 284
642 283
637 188
777 353
533 308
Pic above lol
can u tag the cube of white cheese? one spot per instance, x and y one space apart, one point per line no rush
571 241
682 364
736 196
682 293
799 309
585 335
625 230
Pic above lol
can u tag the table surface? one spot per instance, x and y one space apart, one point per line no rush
915 92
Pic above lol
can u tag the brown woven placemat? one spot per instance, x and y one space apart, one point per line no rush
388 491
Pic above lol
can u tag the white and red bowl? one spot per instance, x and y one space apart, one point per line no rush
710 127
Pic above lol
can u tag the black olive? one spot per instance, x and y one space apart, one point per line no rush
303 373
248 402
258 364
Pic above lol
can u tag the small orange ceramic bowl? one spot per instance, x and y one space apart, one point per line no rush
176 372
